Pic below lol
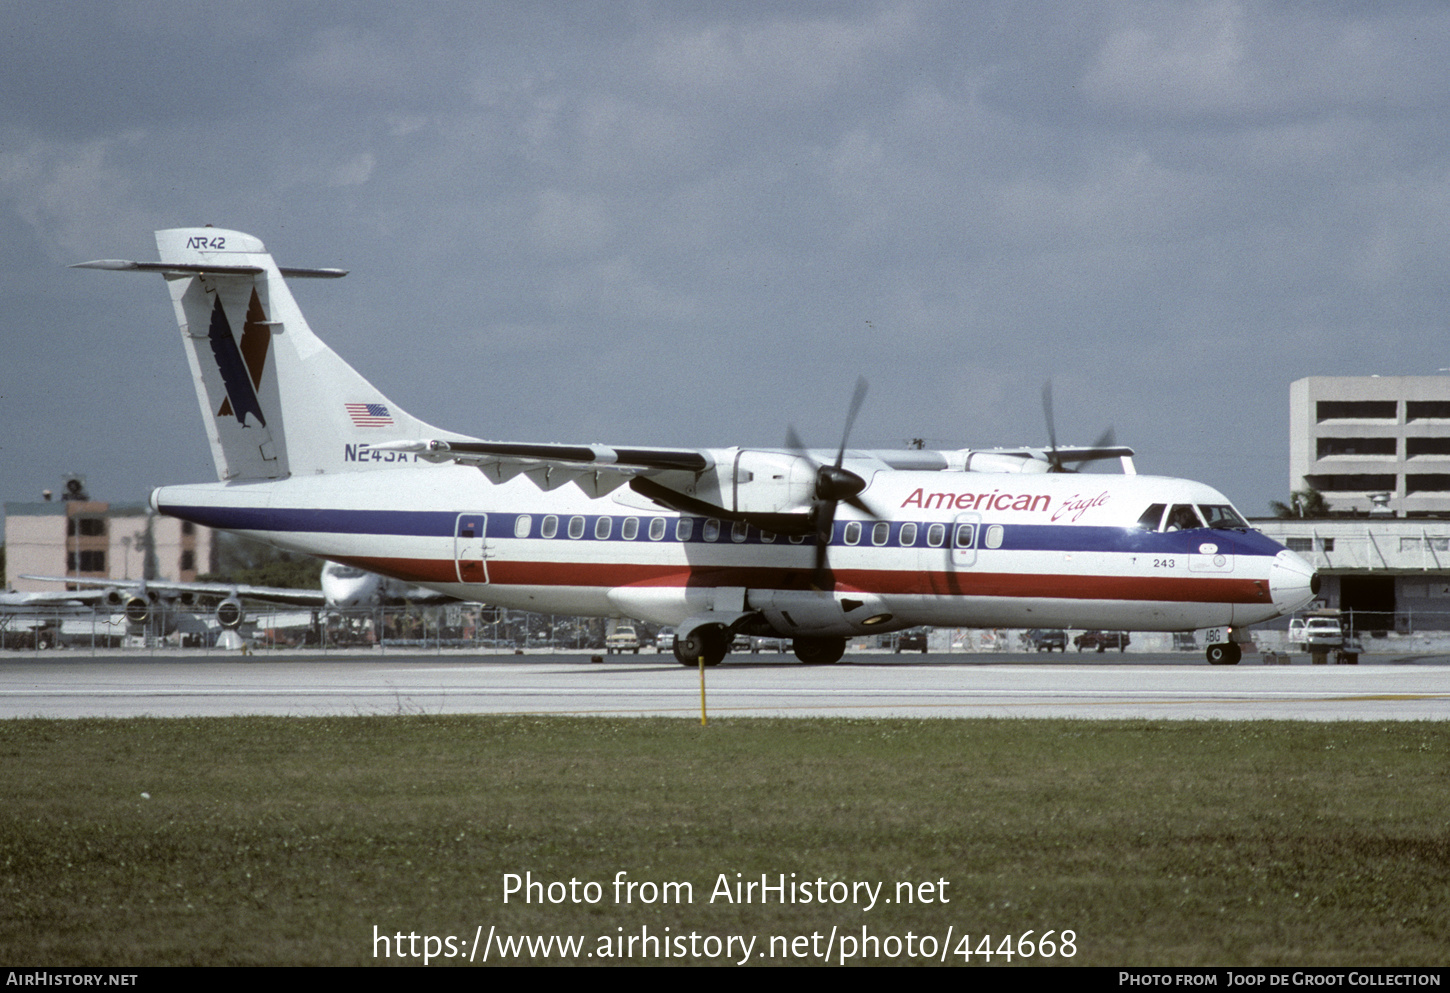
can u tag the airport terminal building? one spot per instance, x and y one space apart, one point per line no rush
1378 449
1372 443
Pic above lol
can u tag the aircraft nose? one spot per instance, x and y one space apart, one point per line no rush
1292 582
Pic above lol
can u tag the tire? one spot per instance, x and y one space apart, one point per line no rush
820 651
1224 654
709 641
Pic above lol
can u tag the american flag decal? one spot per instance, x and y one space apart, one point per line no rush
369 415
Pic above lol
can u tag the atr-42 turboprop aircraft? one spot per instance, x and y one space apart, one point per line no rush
813 546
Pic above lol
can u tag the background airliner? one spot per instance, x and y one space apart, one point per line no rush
343 586
810 545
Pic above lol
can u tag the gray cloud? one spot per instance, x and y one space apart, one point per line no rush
693 224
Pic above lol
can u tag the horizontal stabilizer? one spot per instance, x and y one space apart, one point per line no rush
191 269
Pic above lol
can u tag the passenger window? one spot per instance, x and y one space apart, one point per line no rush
603 527
1152 518
994 536
853 532
712 530
908 534
1182 518
936 535
522 524
656 529
630 531
684 528
880 533
550 527
966 535
576 527
738 531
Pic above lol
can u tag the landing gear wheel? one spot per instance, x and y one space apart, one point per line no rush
820 651
1224 654
710 641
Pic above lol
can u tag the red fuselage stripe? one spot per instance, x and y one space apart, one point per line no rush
1162 589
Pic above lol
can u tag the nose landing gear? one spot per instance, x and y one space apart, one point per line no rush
1226 653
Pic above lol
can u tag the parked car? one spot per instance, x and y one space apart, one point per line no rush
770 643
665 640
1101 641
1044 640
913 640
622 640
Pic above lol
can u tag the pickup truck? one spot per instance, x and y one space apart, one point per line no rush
622 640
1317 634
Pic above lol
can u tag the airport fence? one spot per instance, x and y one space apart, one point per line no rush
470 628
453 627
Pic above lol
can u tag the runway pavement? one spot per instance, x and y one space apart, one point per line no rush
66 685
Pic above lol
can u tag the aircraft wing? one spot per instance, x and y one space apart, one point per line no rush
634 461
11 603
419 596
102 587
590 457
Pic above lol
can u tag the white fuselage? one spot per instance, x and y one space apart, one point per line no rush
950 549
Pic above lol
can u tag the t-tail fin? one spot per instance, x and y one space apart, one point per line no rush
275 399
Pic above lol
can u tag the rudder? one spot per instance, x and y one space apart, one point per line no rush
276 400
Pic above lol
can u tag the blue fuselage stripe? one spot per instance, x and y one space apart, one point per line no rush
501 526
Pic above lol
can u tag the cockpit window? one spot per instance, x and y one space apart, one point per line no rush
1182 518
1152 517
1222 516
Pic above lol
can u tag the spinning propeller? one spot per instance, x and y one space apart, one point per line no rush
1106 440
833 485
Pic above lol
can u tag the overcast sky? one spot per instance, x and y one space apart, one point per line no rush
694 224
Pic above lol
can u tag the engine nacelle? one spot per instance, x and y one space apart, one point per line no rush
841 613
1002 462
756 482
229 613
137 608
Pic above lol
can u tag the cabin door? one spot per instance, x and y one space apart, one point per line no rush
470 547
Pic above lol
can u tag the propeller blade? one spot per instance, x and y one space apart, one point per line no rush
793 442
833 485
1105 440
857 399
1054 462
825 528
863 507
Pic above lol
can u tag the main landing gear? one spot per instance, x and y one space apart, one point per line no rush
820 651
710 642
1227 653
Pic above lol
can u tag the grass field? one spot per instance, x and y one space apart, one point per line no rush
289 840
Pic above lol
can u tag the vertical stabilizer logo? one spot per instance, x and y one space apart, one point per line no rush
241 367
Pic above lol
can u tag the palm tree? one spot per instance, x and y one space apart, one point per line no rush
1302 503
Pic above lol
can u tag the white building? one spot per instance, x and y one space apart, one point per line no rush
1355 437
1393 574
